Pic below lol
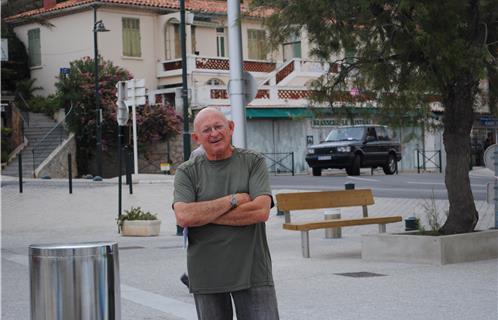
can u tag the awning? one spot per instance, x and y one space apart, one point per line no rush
278 113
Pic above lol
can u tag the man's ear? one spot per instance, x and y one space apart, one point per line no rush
231 124
195 137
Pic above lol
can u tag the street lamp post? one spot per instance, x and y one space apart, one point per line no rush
98 26
183 44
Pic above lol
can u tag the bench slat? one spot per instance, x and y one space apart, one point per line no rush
305 226
324 199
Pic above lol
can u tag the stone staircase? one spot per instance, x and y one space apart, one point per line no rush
39 126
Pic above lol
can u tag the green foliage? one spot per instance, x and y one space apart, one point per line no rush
17 67
135 214
155 123
26 89
48 105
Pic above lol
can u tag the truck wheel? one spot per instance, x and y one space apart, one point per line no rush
317 171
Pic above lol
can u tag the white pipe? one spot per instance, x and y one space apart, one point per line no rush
236 79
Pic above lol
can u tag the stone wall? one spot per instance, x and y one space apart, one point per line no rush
56 165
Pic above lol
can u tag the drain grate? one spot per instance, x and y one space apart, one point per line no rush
361 274
130 248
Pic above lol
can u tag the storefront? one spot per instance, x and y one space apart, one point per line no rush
483 135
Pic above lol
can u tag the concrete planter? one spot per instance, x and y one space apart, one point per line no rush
141 228
436 250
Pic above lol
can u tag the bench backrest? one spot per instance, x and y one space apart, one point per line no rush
287 202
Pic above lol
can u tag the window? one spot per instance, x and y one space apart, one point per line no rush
382 134
178 47
34 47
215 82
220 42
256 41
131 37
292 47
193 39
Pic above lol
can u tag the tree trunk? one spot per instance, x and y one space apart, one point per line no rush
458 99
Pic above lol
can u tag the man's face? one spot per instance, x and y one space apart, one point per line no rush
214 132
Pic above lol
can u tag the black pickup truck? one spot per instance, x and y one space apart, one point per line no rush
355 147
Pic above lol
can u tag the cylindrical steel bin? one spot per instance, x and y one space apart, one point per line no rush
333 233
78 281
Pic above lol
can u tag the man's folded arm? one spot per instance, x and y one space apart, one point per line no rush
255 211
194 214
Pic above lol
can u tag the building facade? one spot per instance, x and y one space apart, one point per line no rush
144 38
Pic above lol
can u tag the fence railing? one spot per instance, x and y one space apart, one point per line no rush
280 162
429 158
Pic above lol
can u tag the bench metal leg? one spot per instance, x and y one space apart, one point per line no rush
287 216
382 228
305 243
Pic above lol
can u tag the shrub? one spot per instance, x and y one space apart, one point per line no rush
155 123
135 214
48 105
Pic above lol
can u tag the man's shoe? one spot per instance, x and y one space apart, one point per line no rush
184 279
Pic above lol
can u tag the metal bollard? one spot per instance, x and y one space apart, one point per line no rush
76 281
333 233
70 173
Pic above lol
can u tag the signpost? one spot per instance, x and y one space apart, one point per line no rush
135 97
122 118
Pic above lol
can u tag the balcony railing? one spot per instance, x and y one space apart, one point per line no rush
277 85
205 63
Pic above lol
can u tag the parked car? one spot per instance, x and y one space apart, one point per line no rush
355 147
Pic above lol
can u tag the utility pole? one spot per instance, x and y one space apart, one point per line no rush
236 88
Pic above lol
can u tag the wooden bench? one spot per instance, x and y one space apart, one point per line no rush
287 202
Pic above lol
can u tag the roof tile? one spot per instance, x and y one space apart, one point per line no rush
208 6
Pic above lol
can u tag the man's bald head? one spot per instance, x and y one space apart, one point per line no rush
214 132
205 113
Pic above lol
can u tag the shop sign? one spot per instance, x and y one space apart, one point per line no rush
323 123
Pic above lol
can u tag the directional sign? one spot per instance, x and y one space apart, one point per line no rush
136 92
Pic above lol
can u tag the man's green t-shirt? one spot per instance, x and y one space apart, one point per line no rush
225 258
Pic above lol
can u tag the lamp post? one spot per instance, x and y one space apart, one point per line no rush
98 26
183 44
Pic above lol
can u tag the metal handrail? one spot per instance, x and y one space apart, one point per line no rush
21 111
47 135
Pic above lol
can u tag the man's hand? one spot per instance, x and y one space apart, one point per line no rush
255 211
242 198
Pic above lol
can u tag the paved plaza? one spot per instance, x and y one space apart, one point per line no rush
314 288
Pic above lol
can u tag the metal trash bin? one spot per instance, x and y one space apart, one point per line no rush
78 281
333 233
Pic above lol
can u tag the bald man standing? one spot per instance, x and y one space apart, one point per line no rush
224 198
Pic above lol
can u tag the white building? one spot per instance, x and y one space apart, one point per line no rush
144 38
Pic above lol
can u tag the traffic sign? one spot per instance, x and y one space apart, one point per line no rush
122 114
489 157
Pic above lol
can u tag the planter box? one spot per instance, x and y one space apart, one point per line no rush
436 250
141 228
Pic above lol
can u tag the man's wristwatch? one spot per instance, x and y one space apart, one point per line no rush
233 202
